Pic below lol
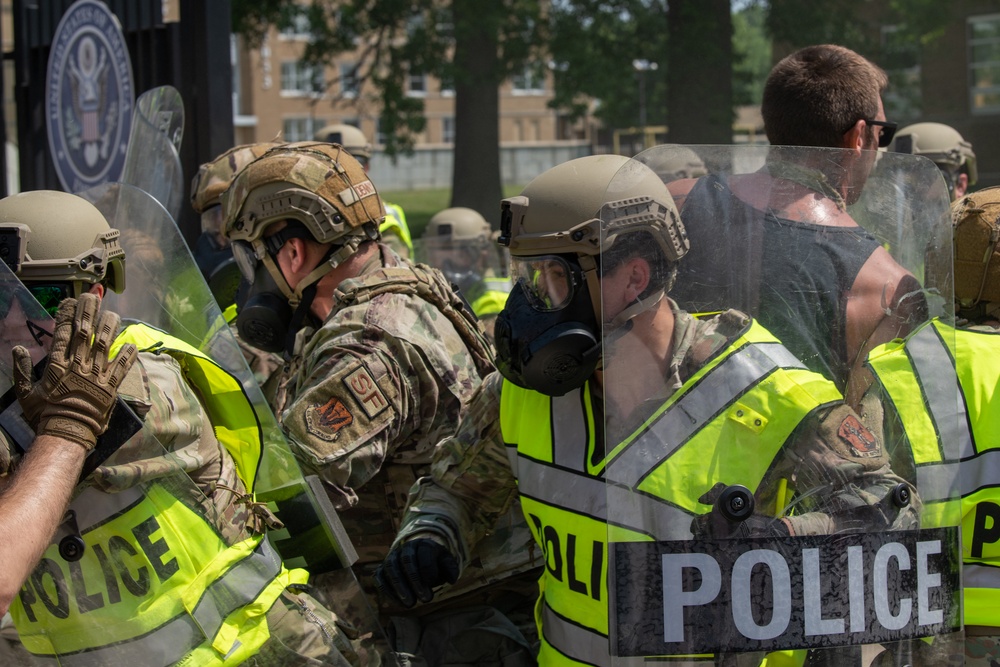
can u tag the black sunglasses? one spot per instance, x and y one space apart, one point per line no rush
888 131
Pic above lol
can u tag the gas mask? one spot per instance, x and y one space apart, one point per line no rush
268 313
216 263
467 279
547 336
263 312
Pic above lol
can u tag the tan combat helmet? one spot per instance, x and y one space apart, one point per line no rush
348 136
458 224
564 210
941 144
214 176
318 185
976 221
63 238
561 210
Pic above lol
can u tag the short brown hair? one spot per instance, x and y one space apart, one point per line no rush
813 96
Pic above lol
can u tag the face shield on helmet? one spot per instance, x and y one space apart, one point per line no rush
548 335
309 190
211 250
458 242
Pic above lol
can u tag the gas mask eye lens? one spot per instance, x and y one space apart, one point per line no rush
547 280
246 259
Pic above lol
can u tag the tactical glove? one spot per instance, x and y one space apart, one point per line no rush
412 570
74 398
733 516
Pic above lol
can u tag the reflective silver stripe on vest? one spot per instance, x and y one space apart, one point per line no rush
590 496
980 576
580 644
936 374
176 638
93 507
941 481
698 406
569 430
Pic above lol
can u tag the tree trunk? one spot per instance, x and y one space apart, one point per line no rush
700 72
476 180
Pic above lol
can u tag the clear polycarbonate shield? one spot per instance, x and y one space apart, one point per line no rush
475 267
752 510
153 162
164 288
75 606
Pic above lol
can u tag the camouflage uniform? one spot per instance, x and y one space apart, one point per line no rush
471 481
302 631
365 399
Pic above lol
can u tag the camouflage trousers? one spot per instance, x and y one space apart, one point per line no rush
982 650
493 625
305 633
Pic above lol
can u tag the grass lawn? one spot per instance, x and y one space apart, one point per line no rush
420 205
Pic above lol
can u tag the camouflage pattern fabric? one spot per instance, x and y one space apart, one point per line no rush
982 651
302 631
471 482
365 399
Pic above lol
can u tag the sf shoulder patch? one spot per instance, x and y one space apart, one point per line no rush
862 441
326 421
366 392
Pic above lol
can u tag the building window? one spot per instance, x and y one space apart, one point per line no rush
417 85
448 129
300 129
298 78
528 82
298 28
984 64
349 79
380 138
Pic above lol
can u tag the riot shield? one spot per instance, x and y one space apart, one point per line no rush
751 513
128 526
473 266
153 163
165 289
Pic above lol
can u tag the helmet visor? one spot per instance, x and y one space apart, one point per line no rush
547 280
246 259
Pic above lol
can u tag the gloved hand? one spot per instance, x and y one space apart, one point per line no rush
412 570
74 398
733 516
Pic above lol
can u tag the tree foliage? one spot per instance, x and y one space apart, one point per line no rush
393 40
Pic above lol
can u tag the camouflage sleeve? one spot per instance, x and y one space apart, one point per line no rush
347 414
840 472
174 422
471 484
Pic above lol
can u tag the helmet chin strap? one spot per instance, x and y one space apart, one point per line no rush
334 258
621 323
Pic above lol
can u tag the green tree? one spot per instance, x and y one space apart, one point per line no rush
469 45
751 54
692 42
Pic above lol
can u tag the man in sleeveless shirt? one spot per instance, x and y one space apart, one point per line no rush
820 282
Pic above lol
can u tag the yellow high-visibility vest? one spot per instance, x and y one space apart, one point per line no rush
156 583
943 383
741 425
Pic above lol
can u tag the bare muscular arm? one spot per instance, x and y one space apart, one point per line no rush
885 302
32 506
